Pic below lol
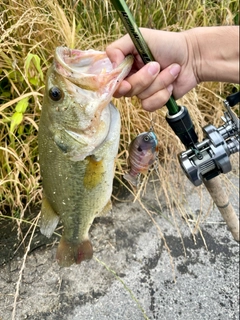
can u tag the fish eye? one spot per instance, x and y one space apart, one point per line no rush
146 138
55 94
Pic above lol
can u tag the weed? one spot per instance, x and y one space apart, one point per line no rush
30 30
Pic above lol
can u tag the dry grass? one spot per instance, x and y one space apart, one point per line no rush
29 32
36 28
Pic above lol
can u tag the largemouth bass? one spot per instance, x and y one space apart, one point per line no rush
143 151
78 138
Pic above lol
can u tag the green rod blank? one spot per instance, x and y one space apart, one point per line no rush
139 42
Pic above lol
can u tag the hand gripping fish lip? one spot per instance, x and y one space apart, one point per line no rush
90 69
90 79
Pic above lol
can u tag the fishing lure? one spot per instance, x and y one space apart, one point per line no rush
143 151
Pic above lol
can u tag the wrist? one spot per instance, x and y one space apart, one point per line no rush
214 53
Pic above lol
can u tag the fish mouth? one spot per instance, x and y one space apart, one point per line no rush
91 69
89 81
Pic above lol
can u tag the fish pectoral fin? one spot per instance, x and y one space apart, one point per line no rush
49 219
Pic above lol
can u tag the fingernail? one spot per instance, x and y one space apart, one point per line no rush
153 68
175 69
170 88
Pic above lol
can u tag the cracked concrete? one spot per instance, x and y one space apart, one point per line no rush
142 277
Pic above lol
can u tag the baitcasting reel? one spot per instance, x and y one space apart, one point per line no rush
209 158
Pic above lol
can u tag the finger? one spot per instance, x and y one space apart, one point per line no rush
122 90
157 100
163 80
143 78
120 48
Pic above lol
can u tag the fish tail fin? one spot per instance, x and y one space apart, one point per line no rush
69 253
132 179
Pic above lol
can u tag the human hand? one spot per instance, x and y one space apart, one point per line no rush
155 82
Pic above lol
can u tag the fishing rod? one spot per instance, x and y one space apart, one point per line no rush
202 162
177 116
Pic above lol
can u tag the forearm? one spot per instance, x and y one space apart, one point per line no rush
216 53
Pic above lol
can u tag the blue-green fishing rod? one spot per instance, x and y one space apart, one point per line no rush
177 117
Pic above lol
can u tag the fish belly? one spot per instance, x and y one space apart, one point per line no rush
76 191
